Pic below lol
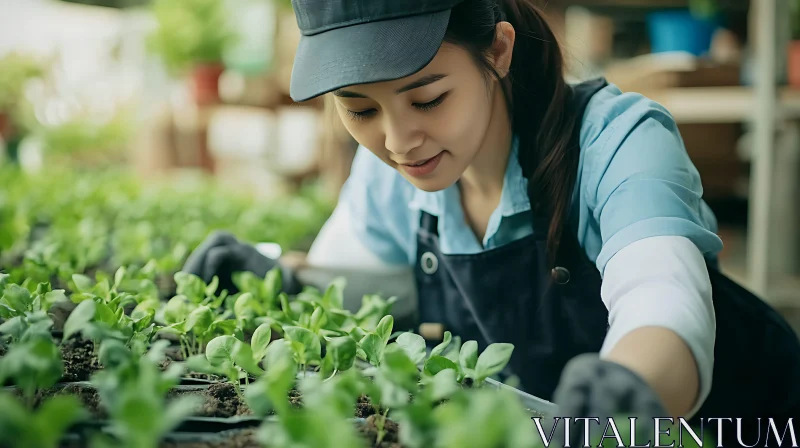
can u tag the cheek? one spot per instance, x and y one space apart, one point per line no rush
365 133
461 125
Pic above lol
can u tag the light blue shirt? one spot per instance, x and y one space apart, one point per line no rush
635 181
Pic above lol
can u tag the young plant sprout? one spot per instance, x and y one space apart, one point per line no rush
43 427
133 390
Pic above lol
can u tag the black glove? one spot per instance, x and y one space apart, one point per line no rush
221 254
593 388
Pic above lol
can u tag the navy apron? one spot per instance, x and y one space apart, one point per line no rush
511 294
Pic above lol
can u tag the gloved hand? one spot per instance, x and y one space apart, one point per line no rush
221 254
594 388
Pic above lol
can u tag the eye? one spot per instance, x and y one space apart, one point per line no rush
431 104
361 115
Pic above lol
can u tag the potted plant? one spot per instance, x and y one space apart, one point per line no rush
191 37
15 72
689 29
793 58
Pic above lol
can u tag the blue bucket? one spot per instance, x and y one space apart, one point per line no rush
679 30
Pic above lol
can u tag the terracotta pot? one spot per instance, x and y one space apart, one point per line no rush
205 80
793 63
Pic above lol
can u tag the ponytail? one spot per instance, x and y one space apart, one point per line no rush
538 98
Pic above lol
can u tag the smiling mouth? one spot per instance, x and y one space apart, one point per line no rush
419 163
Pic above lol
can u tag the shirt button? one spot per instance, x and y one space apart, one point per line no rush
560 275
429 263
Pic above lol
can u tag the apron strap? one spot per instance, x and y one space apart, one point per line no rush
570 253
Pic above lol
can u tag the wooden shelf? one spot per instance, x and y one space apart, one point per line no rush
721 104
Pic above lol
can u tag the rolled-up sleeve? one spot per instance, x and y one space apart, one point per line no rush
652 231
639 181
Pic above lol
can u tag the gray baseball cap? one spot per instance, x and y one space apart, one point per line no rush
348 42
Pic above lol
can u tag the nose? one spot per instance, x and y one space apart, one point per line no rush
402 136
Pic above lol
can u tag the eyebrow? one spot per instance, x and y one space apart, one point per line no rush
424 81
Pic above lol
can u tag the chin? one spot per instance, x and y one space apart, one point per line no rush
433 184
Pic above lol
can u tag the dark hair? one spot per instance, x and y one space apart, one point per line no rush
538 98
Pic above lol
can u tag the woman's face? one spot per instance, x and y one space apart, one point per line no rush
428 126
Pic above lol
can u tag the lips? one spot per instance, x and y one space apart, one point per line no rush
422 168
421 162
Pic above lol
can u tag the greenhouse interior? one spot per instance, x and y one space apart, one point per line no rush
222 226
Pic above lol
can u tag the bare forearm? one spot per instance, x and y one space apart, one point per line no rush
665 362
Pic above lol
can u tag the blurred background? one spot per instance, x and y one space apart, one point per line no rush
191 96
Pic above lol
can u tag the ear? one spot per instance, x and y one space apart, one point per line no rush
503 48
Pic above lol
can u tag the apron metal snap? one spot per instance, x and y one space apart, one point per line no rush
560 275
429 263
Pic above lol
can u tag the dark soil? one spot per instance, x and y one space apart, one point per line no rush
244 438
166 362
391 436
85 393
79 360
295 399
221 400
364 407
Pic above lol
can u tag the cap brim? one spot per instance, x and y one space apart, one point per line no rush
366 53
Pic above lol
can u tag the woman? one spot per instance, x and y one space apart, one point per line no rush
566 220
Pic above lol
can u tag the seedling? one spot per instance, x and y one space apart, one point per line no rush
134 390
233 358
33 363
469 366
196 327
43 427
371 345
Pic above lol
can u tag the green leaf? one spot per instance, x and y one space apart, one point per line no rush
493 360
176 310
211 289
444 384
414 345
280 375
220 350
334 294
436 364
178 410
443 345
104 314
343 352
18 297
82 282
247 307
399 367
78 318
119 276
260 341
312 349
272 284
14 327
357 333
113 353
287 310
191 286
144 321
468 357
373 346
57 414
243 358
384 328
52 297
199 320
318 319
